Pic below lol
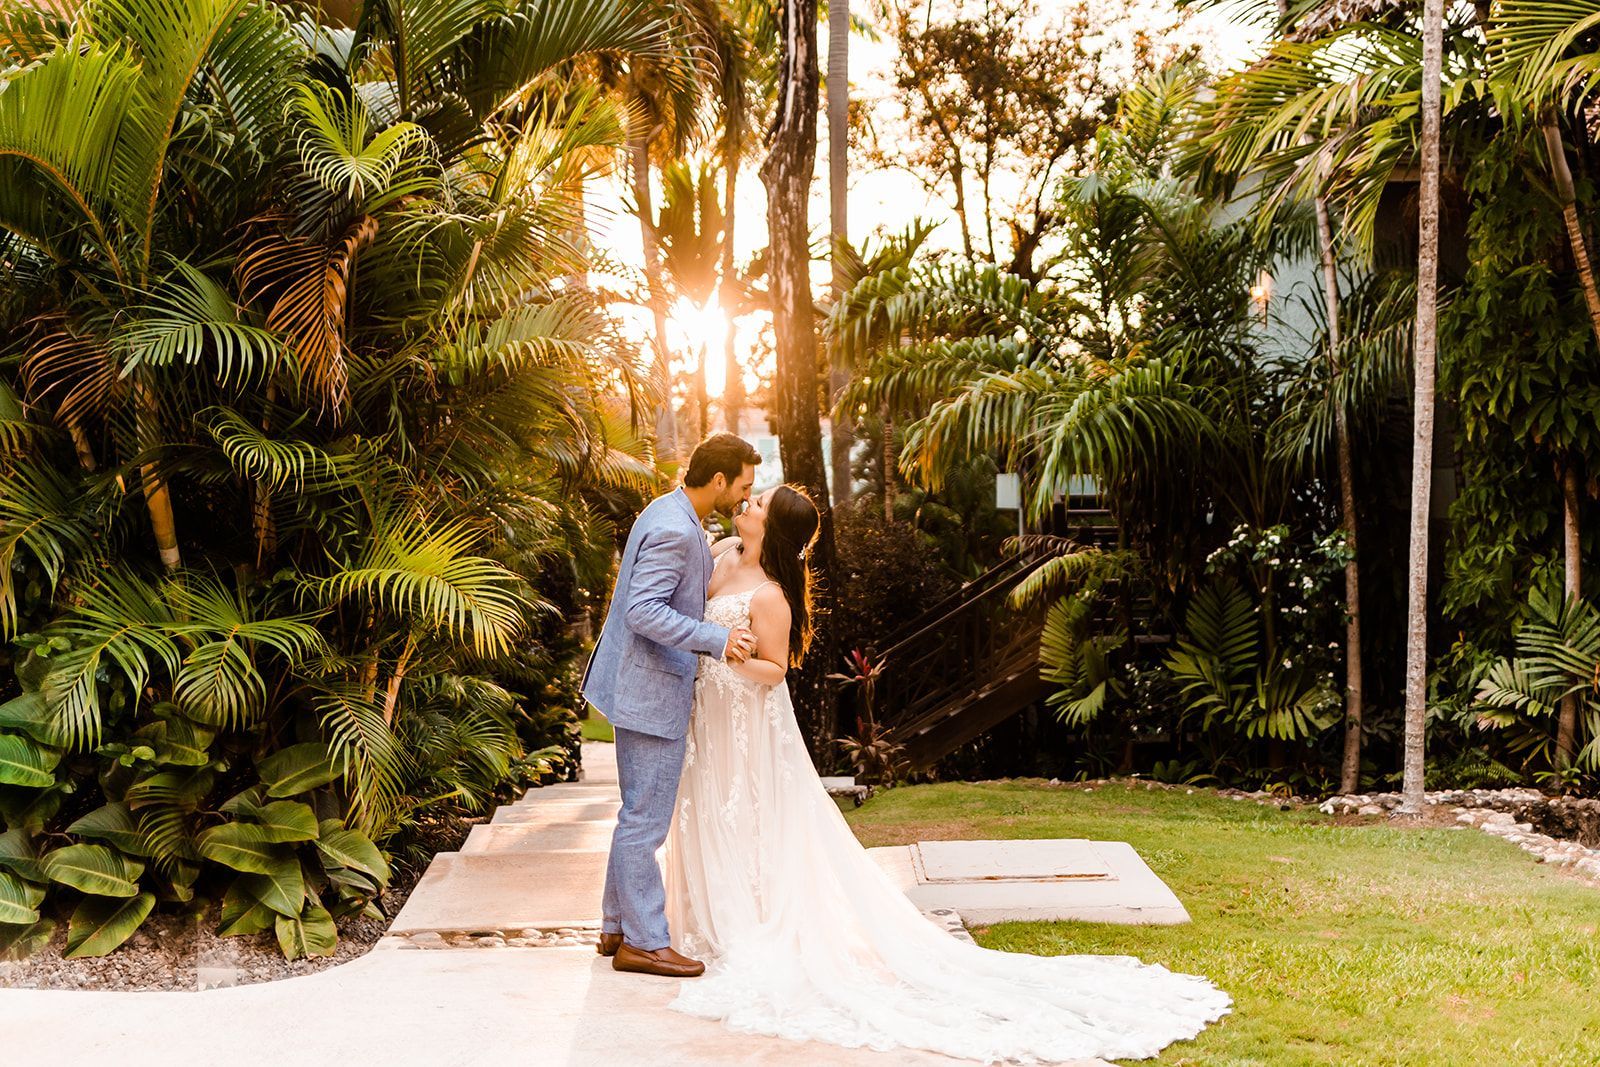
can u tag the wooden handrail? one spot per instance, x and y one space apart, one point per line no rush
1007 575
944 607
950 657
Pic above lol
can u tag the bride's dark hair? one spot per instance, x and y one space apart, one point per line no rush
792 522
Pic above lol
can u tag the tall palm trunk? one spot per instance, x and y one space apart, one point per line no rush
1427 341
702 395
157 500
1350 768
889 462
266 531
838 210
786 173
733 374
1567 192
661 372
1567 719
1571 499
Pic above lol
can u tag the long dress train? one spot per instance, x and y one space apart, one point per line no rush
805 937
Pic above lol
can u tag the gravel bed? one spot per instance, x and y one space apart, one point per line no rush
181 952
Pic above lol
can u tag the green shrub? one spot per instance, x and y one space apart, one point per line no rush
304 444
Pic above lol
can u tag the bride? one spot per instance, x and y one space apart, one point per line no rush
804 935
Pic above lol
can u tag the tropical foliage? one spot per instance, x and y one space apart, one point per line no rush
1157 360
308 439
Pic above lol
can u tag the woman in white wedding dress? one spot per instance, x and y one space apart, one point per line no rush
804 936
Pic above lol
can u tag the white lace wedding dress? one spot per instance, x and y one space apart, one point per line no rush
805 937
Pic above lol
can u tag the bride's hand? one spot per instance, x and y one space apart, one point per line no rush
723 545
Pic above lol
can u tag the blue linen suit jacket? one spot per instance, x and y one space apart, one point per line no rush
641 674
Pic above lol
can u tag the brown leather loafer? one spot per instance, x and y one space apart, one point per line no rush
663 961
609 943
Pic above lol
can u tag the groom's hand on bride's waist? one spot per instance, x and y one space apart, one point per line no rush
741 645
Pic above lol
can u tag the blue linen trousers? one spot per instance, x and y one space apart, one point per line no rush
641 677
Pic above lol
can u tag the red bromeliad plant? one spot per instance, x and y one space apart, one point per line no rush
874 753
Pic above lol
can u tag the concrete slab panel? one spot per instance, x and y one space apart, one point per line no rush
568 793
599 762
486 891
590 836
557 810
1129 894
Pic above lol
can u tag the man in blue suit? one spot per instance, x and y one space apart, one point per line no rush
641 677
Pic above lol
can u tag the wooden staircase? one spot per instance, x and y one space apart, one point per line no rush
962 667
971 661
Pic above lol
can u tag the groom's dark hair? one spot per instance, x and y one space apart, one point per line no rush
721 453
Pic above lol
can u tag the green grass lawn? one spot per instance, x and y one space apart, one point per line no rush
596 727
1340 942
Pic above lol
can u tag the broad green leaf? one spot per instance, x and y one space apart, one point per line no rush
242 846
26 762
20 942
242 913
350 880
29 809
298 768
94 869
29 714
18 855
98 925
311 933
283 889
351 848
176 881
246 802
19 900
288 820
183 788
114 823
179 742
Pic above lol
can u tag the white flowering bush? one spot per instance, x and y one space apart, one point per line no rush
1255 656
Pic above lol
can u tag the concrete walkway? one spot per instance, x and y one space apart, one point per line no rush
451 984
544 1006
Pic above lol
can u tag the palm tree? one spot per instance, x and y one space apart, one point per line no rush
745 42
693 236
1427 336
787 173
1262 124
839 218
666 96
1535 50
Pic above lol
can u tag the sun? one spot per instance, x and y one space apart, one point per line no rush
698 332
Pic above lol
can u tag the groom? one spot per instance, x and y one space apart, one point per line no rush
641 677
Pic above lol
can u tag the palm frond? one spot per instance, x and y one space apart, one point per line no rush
425 573
44 513
191 318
